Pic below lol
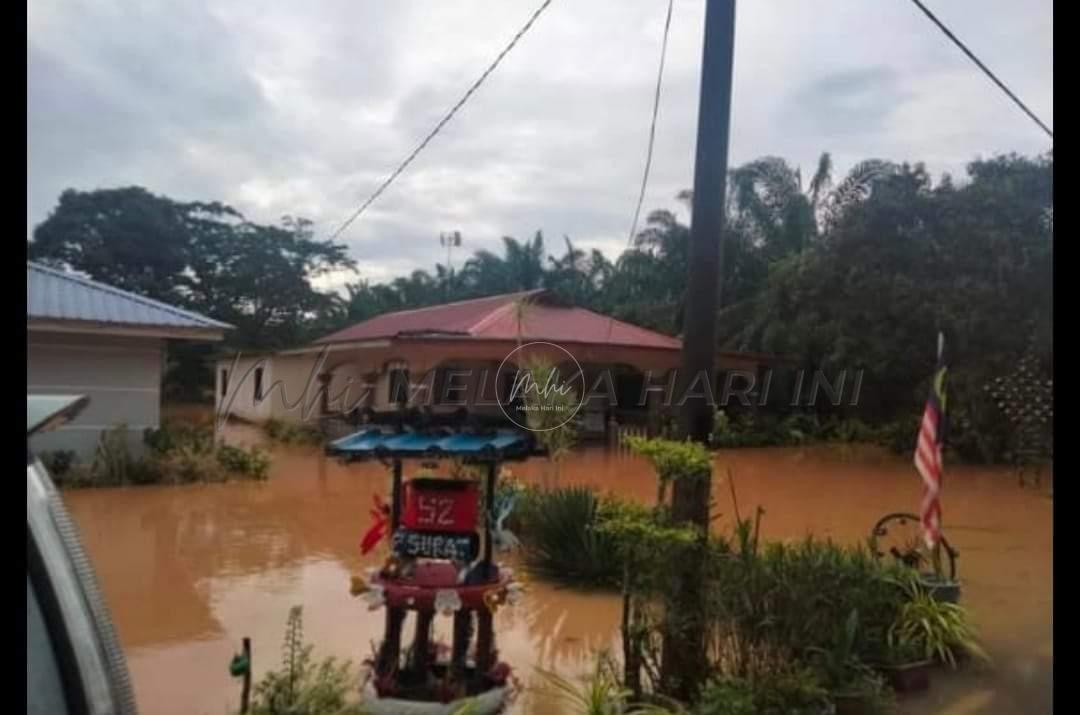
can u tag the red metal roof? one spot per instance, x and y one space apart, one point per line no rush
493 318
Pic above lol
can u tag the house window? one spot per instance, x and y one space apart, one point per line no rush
258 383
399 386
224 383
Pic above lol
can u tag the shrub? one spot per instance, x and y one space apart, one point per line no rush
112 458
899 435
302 686
187 465
292 434
798 596
847 431
177 453
173 435
673 459
792 691
252 463
559 533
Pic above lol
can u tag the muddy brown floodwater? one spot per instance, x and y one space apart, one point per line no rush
190 570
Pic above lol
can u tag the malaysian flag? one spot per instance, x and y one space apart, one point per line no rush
928 451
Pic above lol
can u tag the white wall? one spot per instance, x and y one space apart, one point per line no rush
121 376
284 388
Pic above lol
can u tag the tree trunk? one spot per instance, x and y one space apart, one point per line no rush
684 666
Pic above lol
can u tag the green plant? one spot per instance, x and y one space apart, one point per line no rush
791 691
598 694
904 652
673 459
146 470
939 630
112 457
848 431
727 697
798 595
187 465
172 435
291 434
301 686
560 538
252 463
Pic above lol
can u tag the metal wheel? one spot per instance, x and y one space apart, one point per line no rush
899 535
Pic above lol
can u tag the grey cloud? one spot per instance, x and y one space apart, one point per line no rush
305 108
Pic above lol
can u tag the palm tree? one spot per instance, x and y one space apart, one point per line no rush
569 276
786 218
525 262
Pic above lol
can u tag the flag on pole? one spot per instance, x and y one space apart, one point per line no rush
928 451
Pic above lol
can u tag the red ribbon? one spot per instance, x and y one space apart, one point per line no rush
380 515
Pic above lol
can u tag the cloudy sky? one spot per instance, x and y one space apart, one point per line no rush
303 108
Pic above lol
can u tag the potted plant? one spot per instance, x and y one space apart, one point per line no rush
906 668
937 584
854 687
940 630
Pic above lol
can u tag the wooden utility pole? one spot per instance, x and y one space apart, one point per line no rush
245 694
685 667
707 218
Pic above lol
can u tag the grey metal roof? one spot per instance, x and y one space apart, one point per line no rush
56 295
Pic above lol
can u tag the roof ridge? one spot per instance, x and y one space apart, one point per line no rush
104 287
455 302
621 322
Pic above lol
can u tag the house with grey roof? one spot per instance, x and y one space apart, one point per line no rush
88 338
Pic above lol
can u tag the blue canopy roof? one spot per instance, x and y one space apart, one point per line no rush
477 446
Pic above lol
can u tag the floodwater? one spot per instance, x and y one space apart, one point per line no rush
190 570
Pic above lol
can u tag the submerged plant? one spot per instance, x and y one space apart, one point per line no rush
598 694
560 535
301 686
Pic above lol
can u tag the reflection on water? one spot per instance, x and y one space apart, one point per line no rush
188 571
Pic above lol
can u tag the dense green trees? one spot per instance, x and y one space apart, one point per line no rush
859 274
203 256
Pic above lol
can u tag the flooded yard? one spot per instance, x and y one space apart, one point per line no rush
189 571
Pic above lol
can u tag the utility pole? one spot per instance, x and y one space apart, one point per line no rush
450 241
683 667
707 216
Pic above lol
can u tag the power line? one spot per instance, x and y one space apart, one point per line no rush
984 68
652 138
652 126
438 127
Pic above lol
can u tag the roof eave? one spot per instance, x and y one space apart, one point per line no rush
176 332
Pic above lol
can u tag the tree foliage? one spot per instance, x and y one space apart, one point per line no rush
203 256
857 273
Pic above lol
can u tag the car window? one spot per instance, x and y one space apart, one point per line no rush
44 687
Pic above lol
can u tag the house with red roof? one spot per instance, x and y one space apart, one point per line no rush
461 356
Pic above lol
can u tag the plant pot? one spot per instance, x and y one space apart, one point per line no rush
909 677
941 589
852 704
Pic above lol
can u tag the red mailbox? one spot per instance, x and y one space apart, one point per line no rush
446 505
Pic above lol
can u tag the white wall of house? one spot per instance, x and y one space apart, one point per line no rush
120 375
284 383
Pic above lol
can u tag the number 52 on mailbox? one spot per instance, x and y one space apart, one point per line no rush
445 505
